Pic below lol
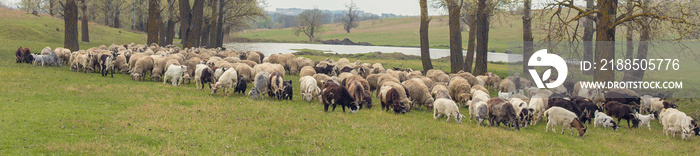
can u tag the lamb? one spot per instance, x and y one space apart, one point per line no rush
203 74
390 98
645 119
307 71
262 85
176 72
226 81
107 63
460 90
19 58
308 88
143 66
604 120
478 110
420 93
567 119
335 94
447 108
501 112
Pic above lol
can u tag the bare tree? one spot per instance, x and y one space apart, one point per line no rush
70 19
588 31
85 34
309 23
424 41
185 15
170 31
153 23
456 56
193 32
350 19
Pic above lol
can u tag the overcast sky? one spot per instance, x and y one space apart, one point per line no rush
399 7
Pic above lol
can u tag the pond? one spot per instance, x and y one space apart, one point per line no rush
282 48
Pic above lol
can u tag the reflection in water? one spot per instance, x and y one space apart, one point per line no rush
277 48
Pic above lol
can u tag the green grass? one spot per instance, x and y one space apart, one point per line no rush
53 111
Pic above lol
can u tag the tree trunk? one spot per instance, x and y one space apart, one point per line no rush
204 41
629 54
471 42
588 31
527 34
212 24
605 37
117 23
170 32
482 38
220 25
643 47
163 33
185 15
85 36
70 21
424 42
153 24
456 55
51 4
193 32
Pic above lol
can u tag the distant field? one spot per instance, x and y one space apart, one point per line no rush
54 111
399 32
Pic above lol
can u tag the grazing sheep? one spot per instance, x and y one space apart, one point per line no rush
493 80
563 102
373 80
384 78
143 66
158 67
567 119
645 119
308 88
226 81
244 71
420 94
501 111
604 120
307 71
253 56
428 82
478 110
675 121
120 63
269 68
440 91
365 86
262 85
390 98
345 75
107 63
538 107
377 68
587 108
460 90
447 108
276 84
623 96
522 110
507 86
362 97
621 111
204 74
404 94
19 58
335 94
287 92
292 66
176 72
505 95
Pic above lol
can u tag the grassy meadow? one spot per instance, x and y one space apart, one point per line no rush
54 111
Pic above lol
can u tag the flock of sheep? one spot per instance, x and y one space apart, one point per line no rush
354 84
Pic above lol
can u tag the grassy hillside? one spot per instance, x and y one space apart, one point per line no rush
19 28
401 32
53 111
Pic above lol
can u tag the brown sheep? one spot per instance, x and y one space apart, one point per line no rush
403 93
501 111
253 56
362 97
335 94
143 66
460 90
244 71
391 99
420 93
507 86
321 79
307 71
158 66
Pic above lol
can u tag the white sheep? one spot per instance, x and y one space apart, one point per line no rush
538 107
675 121
308 88
601 119
447 108
567 119
645 119
262 85
176 72
479 110
518 105
226 81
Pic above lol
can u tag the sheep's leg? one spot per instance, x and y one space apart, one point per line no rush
628 124
325 108
165 78
435 114
448 117
649 126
